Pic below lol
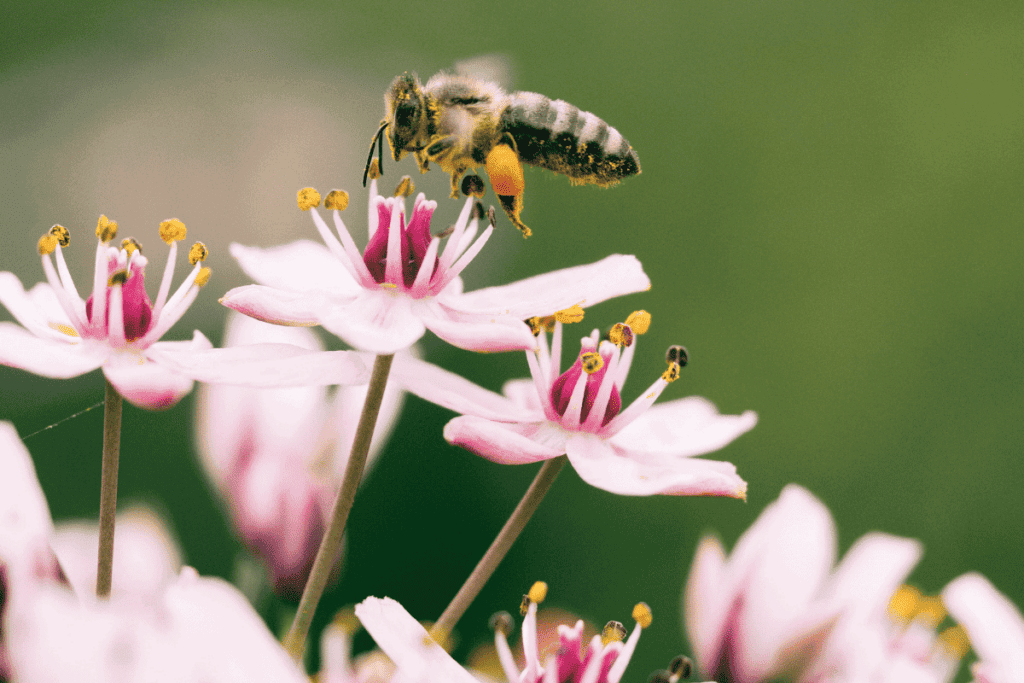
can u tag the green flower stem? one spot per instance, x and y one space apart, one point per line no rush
499 548
330 547
108 488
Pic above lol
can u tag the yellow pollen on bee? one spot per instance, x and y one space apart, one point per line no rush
642 614
62 234
903 604
505 171
337 200
621 335
308 198
613 631
106 229
131 245
198 252
64 329
639 321
405 187
538 591
172 230
203 276
955 640
592 362
119 277
573 314
47 244
374 171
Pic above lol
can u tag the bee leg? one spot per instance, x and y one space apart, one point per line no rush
506 174
456 185
513 206
422 161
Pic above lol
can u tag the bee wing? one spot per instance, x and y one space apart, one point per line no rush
494 68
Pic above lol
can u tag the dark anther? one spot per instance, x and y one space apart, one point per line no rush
473 186
490 216
478 211
502 622
677 354
681 666
660 676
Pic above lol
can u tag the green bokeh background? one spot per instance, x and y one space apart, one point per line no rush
829 211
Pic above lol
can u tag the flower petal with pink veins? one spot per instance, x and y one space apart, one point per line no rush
615 469
682 428
505 443
35 309
994 625
143 382
488 336
300 266
546 294
704 608
277 306
377 321
19 348
419 658
262 365
452 391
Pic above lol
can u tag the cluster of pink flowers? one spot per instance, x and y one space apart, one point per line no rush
276 442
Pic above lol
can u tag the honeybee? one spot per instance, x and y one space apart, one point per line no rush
460 122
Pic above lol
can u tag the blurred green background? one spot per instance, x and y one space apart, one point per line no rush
830 212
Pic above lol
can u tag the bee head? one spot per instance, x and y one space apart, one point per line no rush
408 111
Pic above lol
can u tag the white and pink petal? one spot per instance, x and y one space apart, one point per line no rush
682 428
512 443
278 306
143 382
380 321
299 266
19 348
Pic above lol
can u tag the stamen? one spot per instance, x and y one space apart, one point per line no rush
930 611
524 606
621 335
643 617
106 229
642 614
903 604
501 622
639 321
62 234
203 276
573 314
337 200
405 187
661 676
308 198
681 666
374 172
592 362
491 219
677 354
47 244
131 245
955 640
119 277
613 632
473 186
538 591
172 230
197 253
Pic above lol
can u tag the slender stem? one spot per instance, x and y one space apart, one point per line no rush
494 555
330 547
108 488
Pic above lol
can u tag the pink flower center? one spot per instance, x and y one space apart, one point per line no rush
562 388
138 310
414 241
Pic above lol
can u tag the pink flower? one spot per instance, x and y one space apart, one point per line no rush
278 455
776 607
640 450
994 624
117 328
420 658
403 283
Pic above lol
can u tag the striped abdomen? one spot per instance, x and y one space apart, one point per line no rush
555 135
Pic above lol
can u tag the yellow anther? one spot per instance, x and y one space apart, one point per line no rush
106 229
903 604
64 329
308 198
337 200
62 234
405 187
573 314
346 620
955 640
592 362
119 277
642 614
524 606
930 610
501 622
538 324
131 245
613 631
639 321
621 335
172 230
473 186
538 591
197 253
203 276
672 373
47 244
374 171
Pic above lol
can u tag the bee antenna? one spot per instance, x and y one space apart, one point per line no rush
378 140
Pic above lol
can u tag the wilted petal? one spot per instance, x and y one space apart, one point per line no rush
47 357
277 306
300 266
407 643
143 382
513 443
994 624
546 294
602 464
683 427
